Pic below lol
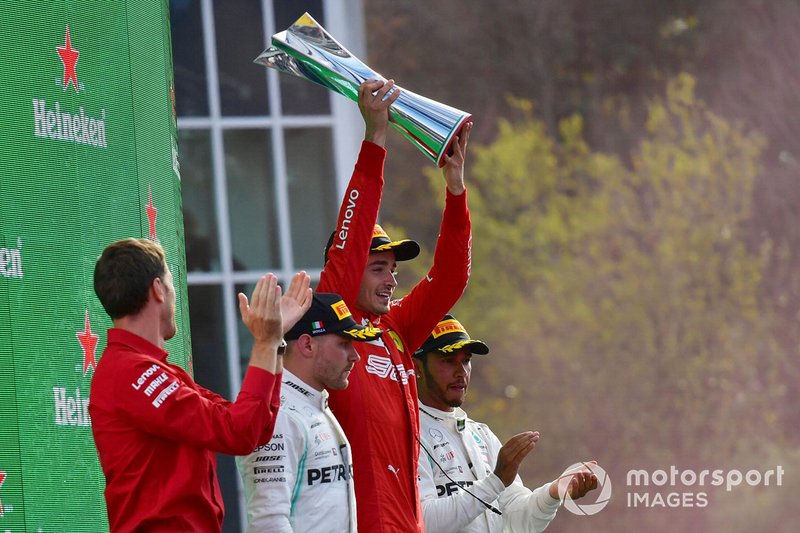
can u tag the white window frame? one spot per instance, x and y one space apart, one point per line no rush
344 20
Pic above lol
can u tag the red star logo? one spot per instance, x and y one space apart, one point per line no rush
88 342
2 479
152 212
69 56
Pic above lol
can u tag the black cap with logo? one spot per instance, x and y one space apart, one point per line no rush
329 314
404 249
448 337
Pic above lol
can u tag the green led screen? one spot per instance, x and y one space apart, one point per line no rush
88 155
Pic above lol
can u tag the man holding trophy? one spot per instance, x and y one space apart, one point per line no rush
378 411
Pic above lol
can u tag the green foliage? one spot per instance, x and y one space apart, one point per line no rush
619 298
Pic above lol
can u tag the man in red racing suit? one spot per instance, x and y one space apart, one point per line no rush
378 411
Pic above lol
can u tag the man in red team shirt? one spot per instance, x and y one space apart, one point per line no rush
155 429
378 411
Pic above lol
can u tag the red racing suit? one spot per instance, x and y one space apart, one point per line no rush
378 410
157 432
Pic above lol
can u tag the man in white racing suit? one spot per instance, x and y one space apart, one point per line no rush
301 480
467 479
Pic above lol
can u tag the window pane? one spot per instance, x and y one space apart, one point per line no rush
188 58
245 337
300 97
208 337
197 193
251 199
211 371
312 190
288 11
240 38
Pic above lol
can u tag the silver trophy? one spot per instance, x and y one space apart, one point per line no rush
307 51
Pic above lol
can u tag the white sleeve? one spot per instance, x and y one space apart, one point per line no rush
452 513
526 511
270 476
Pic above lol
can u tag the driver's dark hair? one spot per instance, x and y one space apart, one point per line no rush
124 273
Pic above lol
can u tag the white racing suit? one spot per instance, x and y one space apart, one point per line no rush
301 480
467 451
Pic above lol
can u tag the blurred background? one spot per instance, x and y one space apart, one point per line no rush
634 187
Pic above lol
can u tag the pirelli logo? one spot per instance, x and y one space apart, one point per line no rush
448 326
341 310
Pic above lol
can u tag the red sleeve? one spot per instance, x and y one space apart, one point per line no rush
349 251
164 401
212 396
416 314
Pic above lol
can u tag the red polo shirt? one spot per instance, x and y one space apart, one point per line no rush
157 432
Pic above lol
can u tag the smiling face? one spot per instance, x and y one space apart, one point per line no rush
334 357
444 379
377 283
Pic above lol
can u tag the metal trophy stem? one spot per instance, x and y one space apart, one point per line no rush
307 51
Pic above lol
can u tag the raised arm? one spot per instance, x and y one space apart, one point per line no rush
453 169
349 249
374 99
164 401
435 295
269 315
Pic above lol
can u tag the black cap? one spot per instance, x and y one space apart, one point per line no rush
404 249
329 314
448 337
